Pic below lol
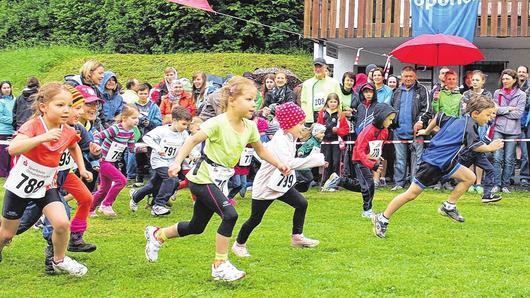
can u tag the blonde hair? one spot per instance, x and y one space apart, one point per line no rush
127 111
46 94
89 67
234 88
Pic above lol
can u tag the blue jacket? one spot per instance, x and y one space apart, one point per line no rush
455 135
150 112
113 104
6 115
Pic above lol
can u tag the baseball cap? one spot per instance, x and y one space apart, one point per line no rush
319 61
88 93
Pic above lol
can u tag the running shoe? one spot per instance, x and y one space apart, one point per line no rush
240 250
451 213
380 227
153 245
491 199
300 240
71 267
227 272
331 183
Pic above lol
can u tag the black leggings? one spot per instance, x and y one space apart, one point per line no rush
292 197
210 199
363 183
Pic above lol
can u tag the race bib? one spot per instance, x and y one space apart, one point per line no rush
66 162
170 147
281 183
376 149
115 152
318 101
220 176
246 157
29 179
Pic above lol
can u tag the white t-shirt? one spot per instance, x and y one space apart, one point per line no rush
163 138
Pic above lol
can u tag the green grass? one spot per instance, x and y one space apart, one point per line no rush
53 63
424 253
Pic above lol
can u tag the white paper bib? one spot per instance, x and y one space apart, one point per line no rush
376 149
281 183
246 157
220 176
115 152
29 179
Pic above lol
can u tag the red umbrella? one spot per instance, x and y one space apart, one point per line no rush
438 50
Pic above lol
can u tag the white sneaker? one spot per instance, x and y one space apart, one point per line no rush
368 213
159 210
133 206
331 184
227 272
152 246
240 250
107 210
71 267
299 240
93 214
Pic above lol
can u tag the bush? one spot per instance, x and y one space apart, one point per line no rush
152 26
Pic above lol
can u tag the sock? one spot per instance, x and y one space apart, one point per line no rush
449 206
160 235
221 257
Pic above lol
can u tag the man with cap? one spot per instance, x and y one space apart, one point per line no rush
316 90
270 185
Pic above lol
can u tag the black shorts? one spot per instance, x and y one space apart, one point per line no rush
14 205
428 175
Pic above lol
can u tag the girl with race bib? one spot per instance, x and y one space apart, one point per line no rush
114 141
270 184
165 141
39 144
226 136
366 158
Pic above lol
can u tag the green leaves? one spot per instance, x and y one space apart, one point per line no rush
152 26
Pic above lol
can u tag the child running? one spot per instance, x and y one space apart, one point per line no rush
113 141
165 141
270 184
69 182
39 144
439 161
366 158
226 135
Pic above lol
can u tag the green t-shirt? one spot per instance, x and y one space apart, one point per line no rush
223 145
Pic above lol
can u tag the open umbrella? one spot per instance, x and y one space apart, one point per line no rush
437 50
259 73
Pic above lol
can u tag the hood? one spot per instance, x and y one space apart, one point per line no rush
361 95
381 111
27 92
106 77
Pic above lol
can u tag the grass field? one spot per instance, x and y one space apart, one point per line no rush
424 254
53 63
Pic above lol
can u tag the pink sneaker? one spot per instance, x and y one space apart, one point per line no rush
107 210
300 240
